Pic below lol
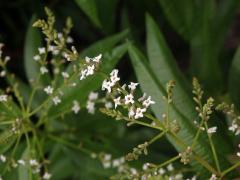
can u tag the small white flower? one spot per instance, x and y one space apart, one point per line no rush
161 171
107 85
116 163
65 75
3 158
92 96
97 58
213 177
178 176
117 101
2 73
114 77
132 86
76 107
42 50
90 70
148 102
33 162
170 167
106 165
238 154
108 105
145 166
139 113
56 100
55 52
36 57
51 48
69 40
46 175
131 112
60 35
129 99
107 157
83 74
3 98
212 130
43 70
91 107
21 162
48 90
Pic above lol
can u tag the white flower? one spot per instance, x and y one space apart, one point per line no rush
170 167
69 39
22 162
148 102
106 164
83 74
145 166
48 90
42 50
3 158
117 101
43 70
46 175
108 105
51 48
212 130
56 100
238 154
60 35
131 112
139 113
178 176
33 162
213 177
76 107
114 76
90 70
36 57
92 96
132 86
107 157
2 73
97 58
129 99
161 171
91 107
65 75
107 85
3 98
55 52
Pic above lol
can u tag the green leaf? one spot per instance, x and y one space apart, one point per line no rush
234 80
104 45
165 68
151 85
33 41
89 7
179 15
23 171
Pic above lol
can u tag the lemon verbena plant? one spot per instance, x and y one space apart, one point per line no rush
26 127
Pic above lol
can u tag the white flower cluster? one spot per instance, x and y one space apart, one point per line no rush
92 97
108 162
90 66
235 128
124 97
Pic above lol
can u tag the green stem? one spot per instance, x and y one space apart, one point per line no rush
230 169
197 134
213 149
156 137
66 143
